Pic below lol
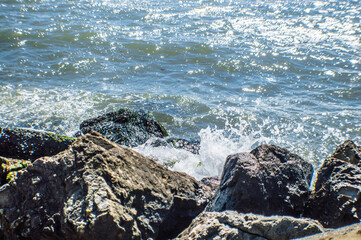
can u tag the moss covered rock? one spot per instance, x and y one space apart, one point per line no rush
10 167
30 144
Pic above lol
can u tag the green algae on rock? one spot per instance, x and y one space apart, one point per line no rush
31 144
10 167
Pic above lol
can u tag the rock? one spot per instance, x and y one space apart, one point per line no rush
348 152
125 127
10 167
192 146
99 190
351 232
269 181
30 144
211 182
233 225
336 199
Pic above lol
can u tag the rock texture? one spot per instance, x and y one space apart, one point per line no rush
30 144
98 190
351 232
125 127
336 200
235 226
211 182
269 181
9 169
348 152
192 146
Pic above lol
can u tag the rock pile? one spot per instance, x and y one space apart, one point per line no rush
56 187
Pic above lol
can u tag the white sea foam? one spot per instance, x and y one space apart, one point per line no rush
215 146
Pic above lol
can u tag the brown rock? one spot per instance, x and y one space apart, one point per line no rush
98 190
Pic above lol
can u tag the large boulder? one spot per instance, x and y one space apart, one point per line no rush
98 190
269 180
336 199
31 144
125 127
235 226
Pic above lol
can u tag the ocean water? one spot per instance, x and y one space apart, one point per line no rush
232 73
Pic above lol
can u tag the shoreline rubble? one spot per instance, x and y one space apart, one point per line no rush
90 187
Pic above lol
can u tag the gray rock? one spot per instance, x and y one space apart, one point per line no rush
336 200
348 152
192 146
237 226
211 182
98 190
269 181
30 144
125 127
350 232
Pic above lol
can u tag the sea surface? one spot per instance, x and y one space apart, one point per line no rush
232 73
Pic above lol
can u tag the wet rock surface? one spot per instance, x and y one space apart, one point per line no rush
269 180
336 200
237 226
30 144
98 190
56 187
125 127
192 146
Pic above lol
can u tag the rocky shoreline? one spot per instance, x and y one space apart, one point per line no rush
93 187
